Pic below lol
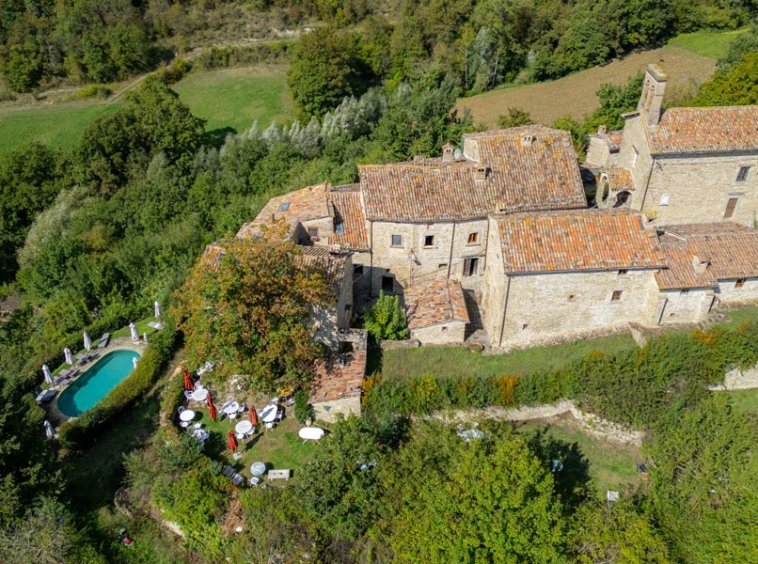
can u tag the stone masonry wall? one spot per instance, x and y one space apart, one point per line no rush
452 333
634 138
689 307
728 291
493 287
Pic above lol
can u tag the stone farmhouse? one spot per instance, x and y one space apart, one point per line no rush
680 165
497 236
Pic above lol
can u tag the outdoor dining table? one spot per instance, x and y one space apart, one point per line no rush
311 433
233 407
243 427
258 469
268 415
201 394
187 415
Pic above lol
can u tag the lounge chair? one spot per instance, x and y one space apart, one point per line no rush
228 471
238 480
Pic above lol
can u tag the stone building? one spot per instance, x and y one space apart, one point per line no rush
680 165
436 312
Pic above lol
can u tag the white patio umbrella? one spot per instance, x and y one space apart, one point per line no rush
157 309
49 433
69 356
134 362
87 342
133 329
144 336
48 375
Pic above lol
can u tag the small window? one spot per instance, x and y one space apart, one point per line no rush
428 240
616 296
524 326
665 199
731 205
444 328
339 229
623 272
572 297
684 291
397 240
471 267
284 207
388 284
739 283
473 238
672 314
742 174
442 265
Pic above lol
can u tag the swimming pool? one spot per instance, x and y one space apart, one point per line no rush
97 382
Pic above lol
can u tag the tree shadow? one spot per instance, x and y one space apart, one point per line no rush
569 466
217 137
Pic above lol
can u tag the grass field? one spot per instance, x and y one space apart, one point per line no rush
574 95
745 400
610 466
237 97
713 44
452 362
59 126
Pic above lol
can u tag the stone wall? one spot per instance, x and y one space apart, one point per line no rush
327 319
730 293
598 153
328 410
452 333
685 306
635 140
494 288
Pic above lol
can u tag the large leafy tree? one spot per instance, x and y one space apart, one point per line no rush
249 311
732 86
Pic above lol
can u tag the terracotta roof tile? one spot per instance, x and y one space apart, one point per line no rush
619 179
331 265
439 301
612 139
730 251
705 130
577 240
349 218
539 176
339 377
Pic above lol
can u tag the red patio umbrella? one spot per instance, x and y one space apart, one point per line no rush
253 416
212 413
188 381
231 440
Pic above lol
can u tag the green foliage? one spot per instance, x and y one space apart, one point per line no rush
94 91
303 410
732 86
385 321
614 101
515 117
44 534
225 57
326 67
746 42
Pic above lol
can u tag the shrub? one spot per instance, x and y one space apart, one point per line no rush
385 321
94 91
303 410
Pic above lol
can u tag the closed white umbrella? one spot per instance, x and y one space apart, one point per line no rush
133 329
134 362
47 374
144 336
87 342
49 433
157 309
69 356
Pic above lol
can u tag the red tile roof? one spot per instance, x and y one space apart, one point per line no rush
730 251
539 176
339 377
619 179
577 240
705 130
348 213
320 259
440 301
612 139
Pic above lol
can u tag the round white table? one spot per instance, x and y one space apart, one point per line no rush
201 394
269 413
187 415
243 427
311 433
258 469
232 408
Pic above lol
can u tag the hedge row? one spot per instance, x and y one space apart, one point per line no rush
635 387
223 57
74 432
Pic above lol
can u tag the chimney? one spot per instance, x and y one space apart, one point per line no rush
448 153
700 266
527 140
481 173
601 130
652 94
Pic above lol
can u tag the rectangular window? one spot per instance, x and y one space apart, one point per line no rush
623 272
397 240
665 200
473 238
730 207
339 229
388 284
471 267
739 283
685 291
742 174
616 296
442 265
428 240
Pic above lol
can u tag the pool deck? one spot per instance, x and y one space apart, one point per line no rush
120 344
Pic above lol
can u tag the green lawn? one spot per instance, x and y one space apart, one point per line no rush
60 126
739 316
610 466
745 400
713 44
237 97
450 362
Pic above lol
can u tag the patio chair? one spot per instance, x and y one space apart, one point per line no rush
184 424
242 408
269 425
188 395
238 480
254 481
279 414
181 408
239 436
232 416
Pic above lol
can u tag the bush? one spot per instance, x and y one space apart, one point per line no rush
94 91
74 432
385 321
303 410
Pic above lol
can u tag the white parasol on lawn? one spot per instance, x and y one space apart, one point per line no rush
157 309
49 433
135 334
47 374
69 356
87 342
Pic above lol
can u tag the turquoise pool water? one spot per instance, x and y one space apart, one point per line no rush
94 385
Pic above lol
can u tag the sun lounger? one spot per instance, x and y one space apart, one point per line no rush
228 471
238 480
45 396
104 340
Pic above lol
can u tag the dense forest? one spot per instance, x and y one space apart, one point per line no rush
477 43
92 236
